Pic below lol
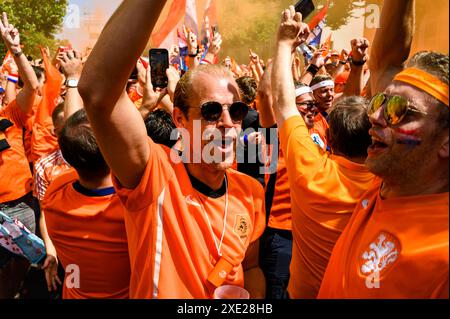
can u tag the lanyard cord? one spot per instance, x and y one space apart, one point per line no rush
219 245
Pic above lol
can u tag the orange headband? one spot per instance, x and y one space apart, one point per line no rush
425 82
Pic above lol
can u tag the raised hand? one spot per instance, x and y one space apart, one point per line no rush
151 97
216 44
174 52
71 63
192 42
344 55
360 49
292 30
254 58
10 34
318 59
142 73
173 77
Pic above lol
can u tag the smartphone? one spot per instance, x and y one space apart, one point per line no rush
159 63
305 7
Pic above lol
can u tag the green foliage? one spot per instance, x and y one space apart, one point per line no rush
257 28
37 21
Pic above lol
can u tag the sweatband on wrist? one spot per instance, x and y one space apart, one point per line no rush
312 69
13 79
426 82
322 85
302 90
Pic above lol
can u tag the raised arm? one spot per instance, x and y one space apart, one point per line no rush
213 49
11 86
265 101
360 55
117 125
392 43
317 63
290 34
11 37
72 66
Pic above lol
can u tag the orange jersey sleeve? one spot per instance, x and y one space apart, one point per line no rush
392 249
324 192
16 180
174 231
89 233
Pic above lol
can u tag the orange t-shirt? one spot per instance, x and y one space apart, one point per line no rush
280 212
15 174
172 229
88 231
324 192
392 249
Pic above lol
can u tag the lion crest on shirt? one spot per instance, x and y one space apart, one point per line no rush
381 255
242 227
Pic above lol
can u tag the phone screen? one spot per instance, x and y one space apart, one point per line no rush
305 7
159 63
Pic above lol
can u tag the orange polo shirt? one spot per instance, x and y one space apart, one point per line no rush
392 249
16 180
172 229
324 192
88 231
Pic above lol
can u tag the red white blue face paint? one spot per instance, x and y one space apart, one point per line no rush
407 137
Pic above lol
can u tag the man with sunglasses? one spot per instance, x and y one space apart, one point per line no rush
324 187
191 226
396 244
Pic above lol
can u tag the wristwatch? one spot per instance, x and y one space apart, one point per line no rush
72 83
17 53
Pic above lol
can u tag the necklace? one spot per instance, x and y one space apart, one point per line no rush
216 243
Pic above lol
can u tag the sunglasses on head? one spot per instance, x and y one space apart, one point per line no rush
308 106
212 111
396 109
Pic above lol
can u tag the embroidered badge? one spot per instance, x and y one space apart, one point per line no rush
381 255
242 227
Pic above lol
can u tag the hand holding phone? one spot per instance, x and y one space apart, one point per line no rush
159 63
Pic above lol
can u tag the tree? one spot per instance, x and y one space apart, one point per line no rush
37 22
256 24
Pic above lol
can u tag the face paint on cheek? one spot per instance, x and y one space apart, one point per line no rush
412 142
407 137
407 132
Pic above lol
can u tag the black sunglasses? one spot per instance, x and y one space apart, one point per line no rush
212 111
309 106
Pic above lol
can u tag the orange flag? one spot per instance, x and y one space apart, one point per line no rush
43 139
327 46
6 68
